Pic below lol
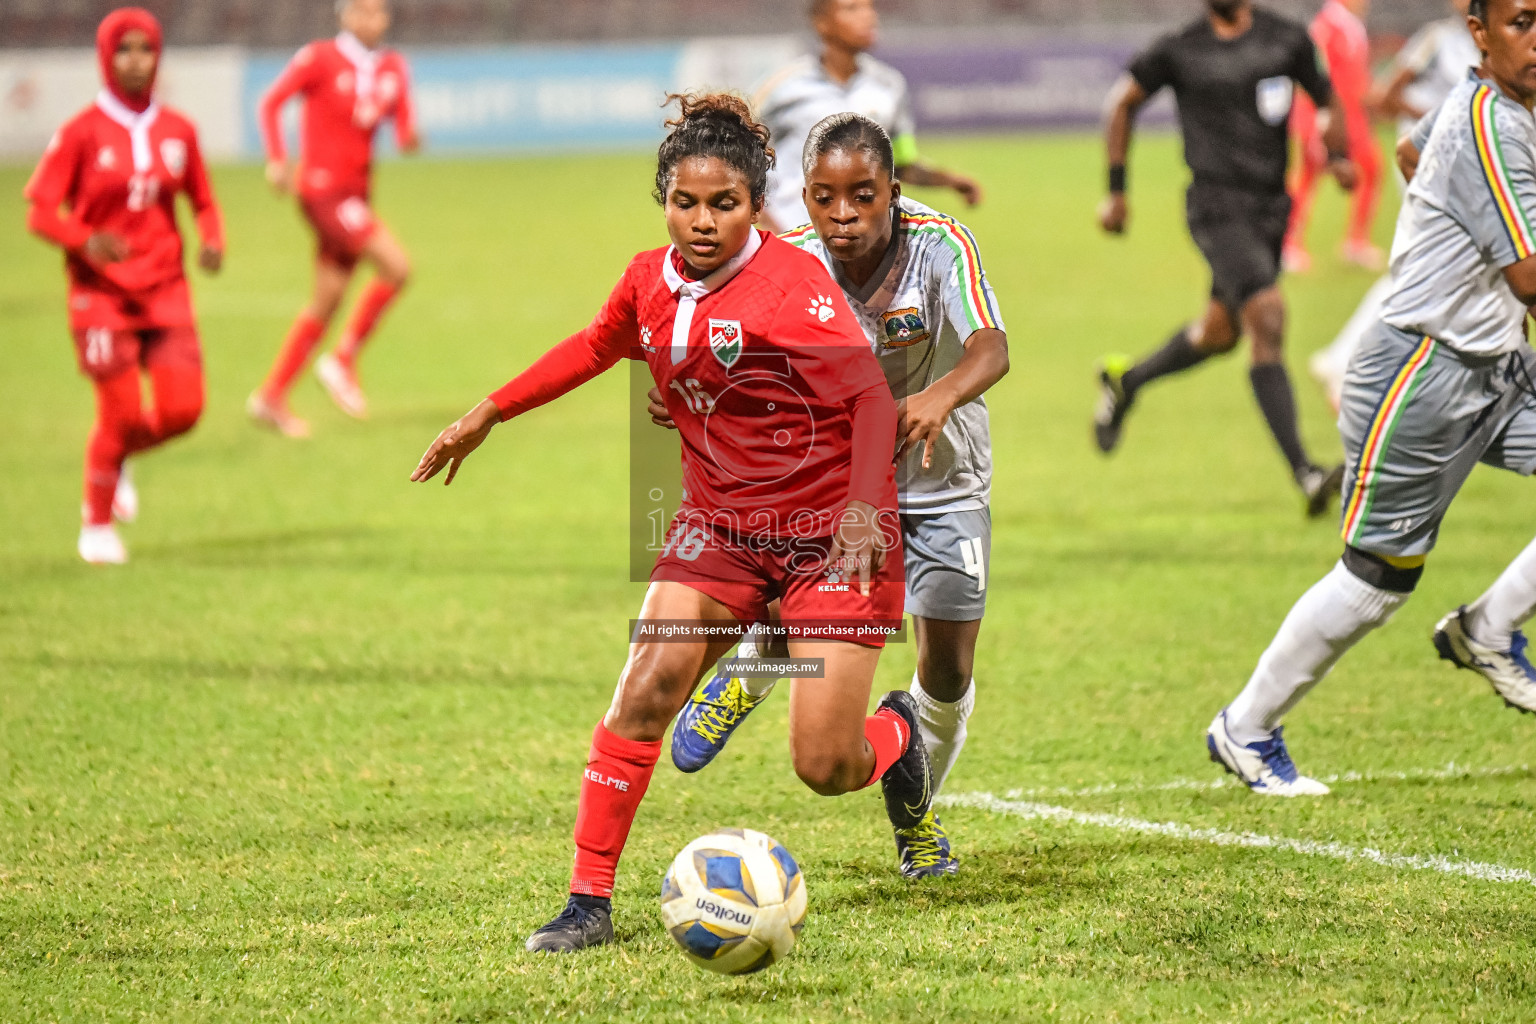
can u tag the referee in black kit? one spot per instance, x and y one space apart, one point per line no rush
1233 73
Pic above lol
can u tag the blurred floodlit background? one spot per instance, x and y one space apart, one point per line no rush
555 75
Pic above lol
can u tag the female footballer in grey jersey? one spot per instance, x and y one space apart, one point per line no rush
914 279
1444 381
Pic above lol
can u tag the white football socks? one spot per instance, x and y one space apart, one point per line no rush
756 686
1332 617
943 728
1507 604
1364 318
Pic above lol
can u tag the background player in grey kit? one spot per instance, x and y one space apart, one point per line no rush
843 77
1442 383
1233 73
1422 75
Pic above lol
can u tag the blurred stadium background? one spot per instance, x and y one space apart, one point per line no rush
518 75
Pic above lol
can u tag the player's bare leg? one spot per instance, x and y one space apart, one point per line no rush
1264 317
268 404
656 680
338 370
837 747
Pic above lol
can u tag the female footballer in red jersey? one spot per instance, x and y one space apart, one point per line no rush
115 169
349 85
788 429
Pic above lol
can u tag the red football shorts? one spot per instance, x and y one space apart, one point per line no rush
343 223
105 352
746 574
169 305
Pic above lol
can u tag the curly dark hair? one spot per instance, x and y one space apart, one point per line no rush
718 125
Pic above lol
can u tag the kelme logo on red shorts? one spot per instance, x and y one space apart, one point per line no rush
725 341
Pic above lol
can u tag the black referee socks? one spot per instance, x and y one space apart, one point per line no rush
1175 356
1272 387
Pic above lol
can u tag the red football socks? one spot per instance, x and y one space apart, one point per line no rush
375 299
617 774
887 732
122 427
302 338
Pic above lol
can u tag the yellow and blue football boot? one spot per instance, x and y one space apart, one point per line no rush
708 719
924 849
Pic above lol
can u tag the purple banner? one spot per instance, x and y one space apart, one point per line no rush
1041 83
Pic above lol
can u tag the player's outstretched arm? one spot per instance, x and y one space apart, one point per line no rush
1388 97
924 414
73 235
296 78
407 135
860 541
568 365
918 173
1124 103
455 444
210 222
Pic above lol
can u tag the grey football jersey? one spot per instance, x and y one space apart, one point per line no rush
1465 218
1438 56
917 310
795 98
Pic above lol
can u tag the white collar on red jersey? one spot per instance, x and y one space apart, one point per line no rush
365 62
136 124
730 268
690 292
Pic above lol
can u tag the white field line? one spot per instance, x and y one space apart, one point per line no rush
1450 771
1306 847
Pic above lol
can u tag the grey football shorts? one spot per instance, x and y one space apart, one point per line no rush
1416 417
947 555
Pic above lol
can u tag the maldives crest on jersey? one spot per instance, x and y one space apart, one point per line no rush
1274 98
903 327
173 153
725 341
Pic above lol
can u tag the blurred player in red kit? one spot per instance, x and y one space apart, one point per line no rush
1339 32
349 85
105 192
788 430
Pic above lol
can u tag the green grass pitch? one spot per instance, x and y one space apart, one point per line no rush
313 755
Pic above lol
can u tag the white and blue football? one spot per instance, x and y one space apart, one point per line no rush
734 900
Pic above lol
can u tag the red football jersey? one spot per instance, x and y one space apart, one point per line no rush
120 172
348 90
766 373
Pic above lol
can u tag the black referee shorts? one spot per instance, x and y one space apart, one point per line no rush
1240 233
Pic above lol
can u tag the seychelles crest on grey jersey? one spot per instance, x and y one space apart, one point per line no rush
903 327
725 341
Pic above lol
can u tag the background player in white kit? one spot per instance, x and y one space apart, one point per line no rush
914 280
1422 75
1443 382
842 77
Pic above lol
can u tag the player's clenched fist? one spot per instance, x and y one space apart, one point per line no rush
1113 213
280 176
455 444
859 547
